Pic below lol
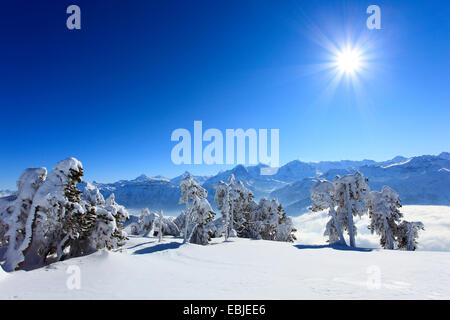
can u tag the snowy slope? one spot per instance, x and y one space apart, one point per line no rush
240 269
249 269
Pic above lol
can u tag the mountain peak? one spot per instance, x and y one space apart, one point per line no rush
444 155
142 177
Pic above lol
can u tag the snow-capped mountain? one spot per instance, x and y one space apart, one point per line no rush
152 192
418 180
4 193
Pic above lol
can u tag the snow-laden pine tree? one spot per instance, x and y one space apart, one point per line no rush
159 224
3 230
102 224
384 215
48 220
264 220
223 201
322 194
241 197
118 211
57 206
285 229
216 228
146 222
169 227
198 211
233 199
350 194
20 221
407 234
202 215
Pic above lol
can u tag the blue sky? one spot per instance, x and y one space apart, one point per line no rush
111 93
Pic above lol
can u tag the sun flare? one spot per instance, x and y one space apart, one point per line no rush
348 61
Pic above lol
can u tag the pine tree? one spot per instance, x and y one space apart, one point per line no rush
102 224
285 229
198 211
49 220
222 199
384 215
322 194
160 225
407 235
56 205
350 194
264 221
241 197
233 199
146 222
19 223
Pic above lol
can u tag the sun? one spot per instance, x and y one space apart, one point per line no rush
348 61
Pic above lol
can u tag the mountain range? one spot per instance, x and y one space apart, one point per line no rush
418 180
4 193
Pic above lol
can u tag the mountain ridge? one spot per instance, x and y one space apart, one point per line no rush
419 180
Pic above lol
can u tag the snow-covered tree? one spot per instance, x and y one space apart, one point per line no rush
118 211
159 224
285 229
216 228
106 229
19 222
384 215
146 222
264 220
198 211
222 199
57 206
407 234
233 200
202 215
49 220
169 227
241 197
350 193
322 194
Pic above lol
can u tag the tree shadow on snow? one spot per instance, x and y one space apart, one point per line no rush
159 247
140 244
333 246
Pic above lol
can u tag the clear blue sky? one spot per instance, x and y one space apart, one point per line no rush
111 93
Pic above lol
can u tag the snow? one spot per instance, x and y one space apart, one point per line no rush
249 269
397 164
238 269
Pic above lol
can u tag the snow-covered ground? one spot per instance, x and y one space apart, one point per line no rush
248 269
